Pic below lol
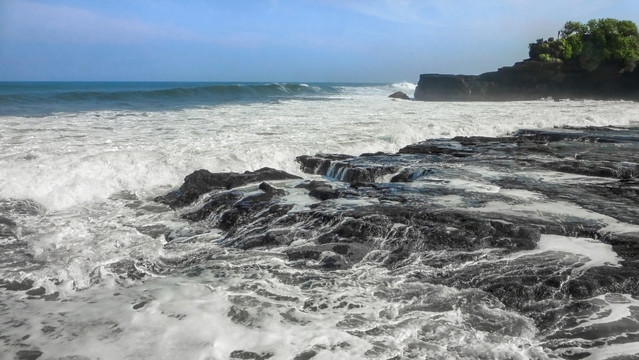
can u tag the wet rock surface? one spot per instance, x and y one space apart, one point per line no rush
493 214
203 181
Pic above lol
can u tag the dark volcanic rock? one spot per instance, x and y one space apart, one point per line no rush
7 226
321 190
247 355
202 181
532 80
354 170
603 161
16 285
445 87
399 95
233 207
28 354
320 164
513 220
467 212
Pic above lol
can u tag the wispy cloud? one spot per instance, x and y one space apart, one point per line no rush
33 21
443 12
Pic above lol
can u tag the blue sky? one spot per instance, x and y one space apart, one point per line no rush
278 40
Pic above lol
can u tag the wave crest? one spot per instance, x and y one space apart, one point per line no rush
37 99
404 86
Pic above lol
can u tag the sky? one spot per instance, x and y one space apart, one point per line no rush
368 41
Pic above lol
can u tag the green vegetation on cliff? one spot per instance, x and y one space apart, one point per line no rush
587 46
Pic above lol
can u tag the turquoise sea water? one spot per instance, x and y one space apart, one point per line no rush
41 98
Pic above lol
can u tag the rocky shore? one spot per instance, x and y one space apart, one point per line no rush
522 218
531 80
541 222
465 206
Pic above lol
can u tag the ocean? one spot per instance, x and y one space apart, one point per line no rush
92 267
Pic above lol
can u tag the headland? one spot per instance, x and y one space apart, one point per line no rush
596 60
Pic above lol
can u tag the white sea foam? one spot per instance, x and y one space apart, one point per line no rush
211 316
616 307
65 159
590 253
407 87
550 210
609 316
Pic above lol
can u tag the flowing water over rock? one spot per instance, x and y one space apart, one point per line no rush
541 223
523 246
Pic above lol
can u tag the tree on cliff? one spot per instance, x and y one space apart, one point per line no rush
592 44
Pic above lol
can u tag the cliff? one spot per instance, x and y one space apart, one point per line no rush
530 80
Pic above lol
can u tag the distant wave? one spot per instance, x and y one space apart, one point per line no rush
211 92
46 98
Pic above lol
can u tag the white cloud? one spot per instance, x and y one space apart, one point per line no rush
32 21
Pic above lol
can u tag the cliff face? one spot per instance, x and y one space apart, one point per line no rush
530 80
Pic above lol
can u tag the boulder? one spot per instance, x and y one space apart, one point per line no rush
203 181
399 95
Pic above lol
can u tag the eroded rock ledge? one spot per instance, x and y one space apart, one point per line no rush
464 207
203 181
